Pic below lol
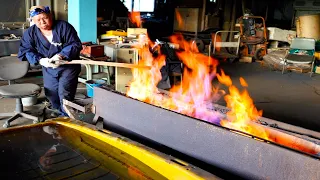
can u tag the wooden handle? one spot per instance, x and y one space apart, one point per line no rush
103 63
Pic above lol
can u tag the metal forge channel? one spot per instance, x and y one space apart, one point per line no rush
239 155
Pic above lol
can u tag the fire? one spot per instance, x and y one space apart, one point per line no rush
224 79
243 82
218 39
135 18
242 109
196 93
179 18
196 87
144 83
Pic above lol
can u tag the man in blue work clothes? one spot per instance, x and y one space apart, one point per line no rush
46 43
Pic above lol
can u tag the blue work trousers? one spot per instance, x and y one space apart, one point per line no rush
59 84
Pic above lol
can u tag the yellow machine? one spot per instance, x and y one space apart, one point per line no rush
253 37
65 148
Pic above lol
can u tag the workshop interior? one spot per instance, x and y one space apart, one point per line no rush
160 89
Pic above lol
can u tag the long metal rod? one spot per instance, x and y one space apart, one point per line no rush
103 63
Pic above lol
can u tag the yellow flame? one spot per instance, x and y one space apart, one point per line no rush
196 91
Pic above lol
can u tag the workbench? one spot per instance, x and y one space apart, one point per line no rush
88 67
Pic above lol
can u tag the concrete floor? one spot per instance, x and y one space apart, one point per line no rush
292 98
8 105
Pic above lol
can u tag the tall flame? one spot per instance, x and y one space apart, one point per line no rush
135 18
242 109
144 83
216 38
179 18
196 87
195 94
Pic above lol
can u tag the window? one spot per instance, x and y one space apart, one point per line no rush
140 5
13 11
128 4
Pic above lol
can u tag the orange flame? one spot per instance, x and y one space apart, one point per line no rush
135 18
242 109
191 97
195 92
224 79
243 82
144 83
196 86
217 38
179 18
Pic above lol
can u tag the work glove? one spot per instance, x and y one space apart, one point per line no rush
57 60
46 62
56 57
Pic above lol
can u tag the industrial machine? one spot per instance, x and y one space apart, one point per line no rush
227 153
71 149
122 53
253 37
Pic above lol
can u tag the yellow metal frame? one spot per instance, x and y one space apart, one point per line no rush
159 162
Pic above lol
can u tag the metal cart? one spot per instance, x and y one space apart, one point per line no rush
230 49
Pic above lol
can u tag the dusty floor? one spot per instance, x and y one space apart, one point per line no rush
293 98
8 105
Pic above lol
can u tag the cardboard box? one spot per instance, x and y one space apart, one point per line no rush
278 34
92 50
134 32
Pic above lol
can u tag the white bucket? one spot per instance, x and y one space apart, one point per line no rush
29 101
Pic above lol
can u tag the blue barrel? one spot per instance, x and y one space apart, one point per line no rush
90 84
